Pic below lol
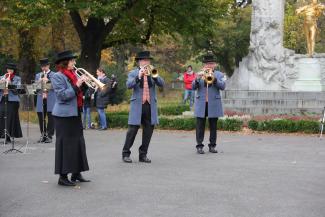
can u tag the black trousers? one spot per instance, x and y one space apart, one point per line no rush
200 129
146 133
49 127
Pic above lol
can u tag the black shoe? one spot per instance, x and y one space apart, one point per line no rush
213 150
127 159
144 159
200 150
65 181
42 139
48 140
78 177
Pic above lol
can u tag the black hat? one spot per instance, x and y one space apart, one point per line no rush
11 66
65 55
143 55
209 58
44 62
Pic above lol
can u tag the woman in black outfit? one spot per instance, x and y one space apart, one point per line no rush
70 147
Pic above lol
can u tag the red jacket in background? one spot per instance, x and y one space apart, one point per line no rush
188 79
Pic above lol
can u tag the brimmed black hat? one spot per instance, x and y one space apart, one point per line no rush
11 66
44 62
143 55
209 58
65 55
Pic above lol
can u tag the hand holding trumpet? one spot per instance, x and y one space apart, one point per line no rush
81 80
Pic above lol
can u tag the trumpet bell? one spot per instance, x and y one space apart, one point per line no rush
90 81
151 71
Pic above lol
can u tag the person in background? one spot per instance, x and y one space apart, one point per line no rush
102 99
88 93
9 105
45 102
188 78
113 90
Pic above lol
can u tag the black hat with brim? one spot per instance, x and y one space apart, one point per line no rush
11 66
65 55
143 55
44 62
209 58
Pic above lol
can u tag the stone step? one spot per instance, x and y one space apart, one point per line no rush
236 94
273 102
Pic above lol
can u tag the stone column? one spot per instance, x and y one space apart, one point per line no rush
268 66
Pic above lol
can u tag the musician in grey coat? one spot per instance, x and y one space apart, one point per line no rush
143 107
9 104
208 103
45 101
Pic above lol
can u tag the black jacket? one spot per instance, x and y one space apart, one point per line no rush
102 96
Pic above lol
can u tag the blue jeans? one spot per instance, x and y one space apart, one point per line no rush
102 117
189 94
86 114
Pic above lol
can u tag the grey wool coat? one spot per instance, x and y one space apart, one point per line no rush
133 82
215 109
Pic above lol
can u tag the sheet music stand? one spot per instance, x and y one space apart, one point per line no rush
28 106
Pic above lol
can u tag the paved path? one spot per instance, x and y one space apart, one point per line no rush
253 176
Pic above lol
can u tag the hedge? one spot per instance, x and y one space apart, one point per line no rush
285 126
173 110
121 121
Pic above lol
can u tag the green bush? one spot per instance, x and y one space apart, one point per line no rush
285 126
230 124
253 124
120 120
177 123
308 126
117 121
172 110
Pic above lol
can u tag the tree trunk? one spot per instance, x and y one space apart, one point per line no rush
90 56
27 61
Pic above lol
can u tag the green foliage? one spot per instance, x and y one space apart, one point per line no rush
27 14
120 120
294 37
120 94
117 121
230 124
173 110
285 126
228 37
177 123
252 124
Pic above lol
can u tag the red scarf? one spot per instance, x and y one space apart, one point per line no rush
72 77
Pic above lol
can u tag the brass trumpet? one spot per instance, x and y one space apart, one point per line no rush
90 81
208 75
150 70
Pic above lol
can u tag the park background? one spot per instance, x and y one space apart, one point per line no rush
108 34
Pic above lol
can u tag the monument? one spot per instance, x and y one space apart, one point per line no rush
271 78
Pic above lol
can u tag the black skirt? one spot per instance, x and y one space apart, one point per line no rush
70 147
12 115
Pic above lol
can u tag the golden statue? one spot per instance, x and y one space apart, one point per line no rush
311 13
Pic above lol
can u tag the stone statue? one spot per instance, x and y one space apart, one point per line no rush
311 13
